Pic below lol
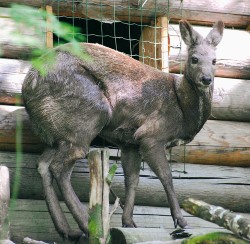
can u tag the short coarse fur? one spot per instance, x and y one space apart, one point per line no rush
140 109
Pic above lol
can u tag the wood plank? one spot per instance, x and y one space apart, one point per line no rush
49 30
4 203
230 100
219 142
232 12
154 45
31 218
231 62
204 182
11 44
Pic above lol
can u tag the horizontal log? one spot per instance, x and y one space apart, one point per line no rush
231 63
31 218
200 181
219 142
230 100
223 217
11 44
4 202
232 13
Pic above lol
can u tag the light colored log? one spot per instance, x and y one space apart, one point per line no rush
49 29
135 235
8 125
232 13
223 217
99 196
28 240
154 45
231 99
200 181
32 219
4 203
219 142
231 63
12 45
95 199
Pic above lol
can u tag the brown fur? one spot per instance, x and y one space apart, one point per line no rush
140 109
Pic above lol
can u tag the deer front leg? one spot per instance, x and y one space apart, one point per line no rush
52 201
61 168
157 161
131 162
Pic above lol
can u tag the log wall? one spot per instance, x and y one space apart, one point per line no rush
232 12
204 182
219 142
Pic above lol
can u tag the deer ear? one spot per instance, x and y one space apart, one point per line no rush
189 35
215 35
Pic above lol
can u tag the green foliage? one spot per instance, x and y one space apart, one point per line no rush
215 237
111 173
95 224
39 21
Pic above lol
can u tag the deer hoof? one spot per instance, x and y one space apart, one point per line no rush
72 235
180 222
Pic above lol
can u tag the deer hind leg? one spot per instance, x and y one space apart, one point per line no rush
131 162
52 201
157 161
61 168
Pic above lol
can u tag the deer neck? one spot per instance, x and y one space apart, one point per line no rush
195 103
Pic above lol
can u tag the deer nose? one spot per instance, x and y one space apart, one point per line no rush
206 79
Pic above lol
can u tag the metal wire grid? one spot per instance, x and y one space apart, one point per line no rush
109 31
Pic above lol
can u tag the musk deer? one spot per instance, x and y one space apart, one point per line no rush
140 109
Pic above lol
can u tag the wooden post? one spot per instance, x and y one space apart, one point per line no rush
154 45
49 29
99 197
4 203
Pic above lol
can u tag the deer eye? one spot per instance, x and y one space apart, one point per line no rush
214 62
194 60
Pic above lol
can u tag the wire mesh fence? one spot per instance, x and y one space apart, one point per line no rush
139 28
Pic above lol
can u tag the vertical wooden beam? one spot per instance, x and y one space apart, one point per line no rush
248 28
4 202
49 30
99 196
154 45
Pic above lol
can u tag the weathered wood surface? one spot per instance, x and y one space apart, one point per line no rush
232 12
222 217
11 45
9 116
99 196
162 236
31 218
233 58
208 183
4 203
154 45
230 100
219 142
